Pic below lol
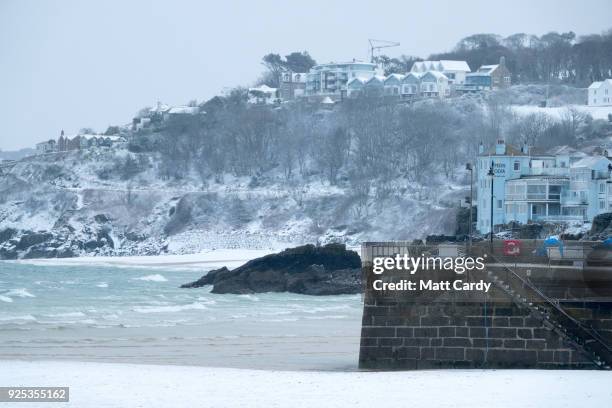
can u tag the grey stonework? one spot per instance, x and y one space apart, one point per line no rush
456 329
461 335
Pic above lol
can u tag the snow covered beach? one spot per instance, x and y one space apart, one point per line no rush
129 385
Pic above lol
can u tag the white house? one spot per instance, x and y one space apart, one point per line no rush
600 93
455 71
435 84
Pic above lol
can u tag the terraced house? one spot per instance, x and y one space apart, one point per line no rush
524 185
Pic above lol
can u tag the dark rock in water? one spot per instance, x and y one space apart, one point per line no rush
7 234
33 238
207 279
309 270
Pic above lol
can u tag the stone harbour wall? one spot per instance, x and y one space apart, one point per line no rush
410 335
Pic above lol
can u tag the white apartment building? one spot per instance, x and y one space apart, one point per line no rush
332 79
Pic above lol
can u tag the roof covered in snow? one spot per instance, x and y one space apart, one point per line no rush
441 65
399 77
437 75
597 84
488 68
592 162
160 108
183 110
263 88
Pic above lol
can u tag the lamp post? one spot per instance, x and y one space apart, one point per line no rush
468 166
491 176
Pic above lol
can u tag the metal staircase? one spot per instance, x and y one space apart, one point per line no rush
582 337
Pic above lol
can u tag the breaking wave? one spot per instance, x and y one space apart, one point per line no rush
152 278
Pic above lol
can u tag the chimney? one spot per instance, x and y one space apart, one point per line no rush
502 61
525 148
500 147
480 148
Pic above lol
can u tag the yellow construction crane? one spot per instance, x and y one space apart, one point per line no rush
378 44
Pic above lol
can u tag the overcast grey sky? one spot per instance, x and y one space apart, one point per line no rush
73 64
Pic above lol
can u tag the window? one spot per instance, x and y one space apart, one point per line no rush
602 188
536 192
554 192
517 166
602 205
499 204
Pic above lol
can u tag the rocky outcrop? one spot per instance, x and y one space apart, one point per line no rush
308 269
33 238
7 234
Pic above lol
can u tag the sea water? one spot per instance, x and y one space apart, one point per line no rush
131 314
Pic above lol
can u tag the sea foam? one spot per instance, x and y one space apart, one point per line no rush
152 278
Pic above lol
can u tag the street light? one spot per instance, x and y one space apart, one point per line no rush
491 177
468 166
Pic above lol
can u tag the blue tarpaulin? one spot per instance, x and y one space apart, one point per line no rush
549 243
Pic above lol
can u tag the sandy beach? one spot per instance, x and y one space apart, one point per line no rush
130 385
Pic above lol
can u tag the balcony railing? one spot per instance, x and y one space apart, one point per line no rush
549 171
558 218
567 199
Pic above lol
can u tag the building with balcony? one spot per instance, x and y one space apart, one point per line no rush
486 78
332 79
434 84
524 186
410 85
431 84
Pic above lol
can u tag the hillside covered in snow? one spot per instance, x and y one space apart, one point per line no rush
267 177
